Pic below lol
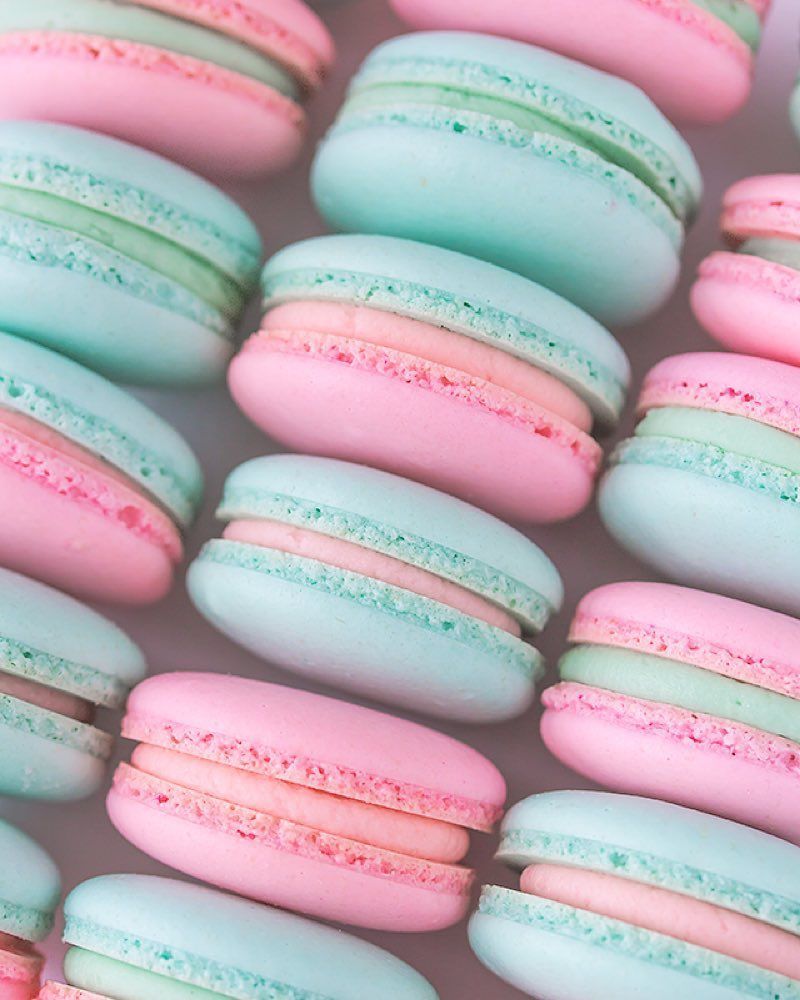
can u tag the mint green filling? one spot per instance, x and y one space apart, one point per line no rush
148 248
130 23
110 978
543 115
726 431
786 252
739 16
652 678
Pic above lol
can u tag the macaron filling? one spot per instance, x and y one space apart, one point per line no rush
498 105
740 16
51 699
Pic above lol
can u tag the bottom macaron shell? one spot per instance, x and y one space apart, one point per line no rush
37 765
57 991
491 457
706 533
50 536
388 656
750 305
534 945
212 120
707 764
219 851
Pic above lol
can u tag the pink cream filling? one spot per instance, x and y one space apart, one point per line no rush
432 343
666 912
60 702
387 829
36 451
366 562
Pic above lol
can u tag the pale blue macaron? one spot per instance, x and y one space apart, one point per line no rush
556 951
30 886
141 936
59 661
405 609
119 258
527 159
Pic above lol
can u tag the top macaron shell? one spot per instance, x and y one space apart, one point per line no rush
30 886
50 639
748 298
425 105
96 486
122 260
699 36
198 939
226 77
353 630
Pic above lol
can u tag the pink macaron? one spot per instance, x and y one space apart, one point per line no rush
685 696
694 58
303 801
748 298
215 84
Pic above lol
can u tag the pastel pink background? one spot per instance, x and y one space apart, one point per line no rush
175 637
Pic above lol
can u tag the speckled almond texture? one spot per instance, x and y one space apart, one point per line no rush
741 664
20 964
634 942
57 991
747 269
24 717
33 664
413 609
438 379
88 488
283 835
761 217
94 48
24 923
318 774
694 18
713 734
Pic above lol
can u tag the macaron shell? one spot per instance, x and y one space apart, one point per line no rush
659 34
766 205
58 991
30 883
256 129
701 762
350 412
750 305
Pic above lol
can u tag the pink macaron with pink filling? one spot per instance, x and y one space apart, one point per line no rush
748 297
686 696
302 801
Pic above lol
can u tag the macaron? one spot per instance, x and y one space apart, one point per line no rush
215 85
685 696
95 489
694 58
442 131
708 489
377 585
30 889
640 898
59 662
301 801
142 936
118 258
435 366
748 298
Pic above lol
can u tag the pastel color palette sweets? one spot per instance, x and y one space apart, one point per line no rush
227 78
59 662
693 57
139 936
435 366
685 696
95 489
707 490
298 800
441 132
645 898
748 298
369 582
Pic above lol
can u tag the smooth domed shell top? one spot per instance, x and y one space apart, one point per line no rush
30 886
461 293
663 832
609 94
232 939
311 727
105 420
44 620
120 179
401 503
